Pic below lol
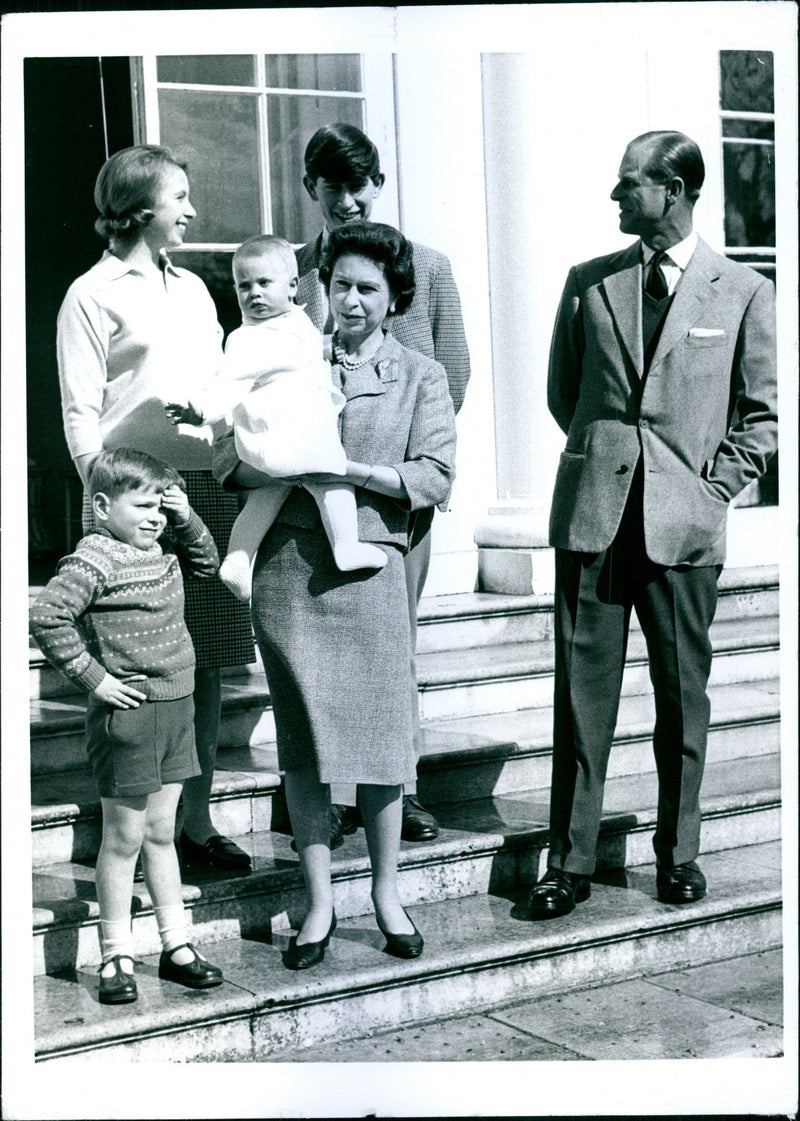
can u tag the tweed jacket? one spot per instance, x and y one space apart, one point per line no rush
433 324
397 412
702 417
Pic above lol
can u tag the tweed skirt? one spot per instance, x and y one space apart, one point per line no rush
336 650
219 624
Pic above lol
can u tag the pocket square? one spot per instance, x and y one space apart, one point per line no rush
705 332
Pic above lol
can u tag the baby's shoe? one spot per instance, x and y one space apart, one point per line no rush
236 573
351 557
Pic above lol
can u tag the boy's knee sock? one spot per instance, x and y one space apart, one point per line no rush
172 931
116 938
171 922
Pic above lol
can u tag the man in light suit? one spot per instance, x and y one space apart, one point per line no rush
662 376
343 177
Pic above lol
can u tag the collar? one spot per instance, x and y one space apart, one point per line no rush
679 255
113 267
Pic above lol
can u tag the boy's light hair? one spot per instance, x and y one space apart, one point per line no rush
268 245
124 469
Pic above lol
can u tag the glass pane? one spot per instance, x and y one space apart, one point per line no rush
208 70
755 130
215 269
746 81
339 72
292 121
749 194
218 136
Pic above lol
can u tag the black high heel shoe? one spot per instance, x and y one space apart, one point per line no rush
310 953
402 945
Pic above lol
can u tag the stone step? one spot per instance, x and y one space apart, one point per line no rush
465 758
452 622
454 683
499 753
485 845
481 951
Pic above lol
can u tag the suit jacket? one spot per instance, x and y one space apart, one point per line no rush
397 412
702 418
432 324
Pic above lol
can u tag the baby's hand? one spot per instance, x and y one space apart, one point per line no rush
119 694
184 414
175 505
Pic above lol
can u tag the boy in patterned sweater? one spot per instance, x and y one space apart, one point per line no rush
111 620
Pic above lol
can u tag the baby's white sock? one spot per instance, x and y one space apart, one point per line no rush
236 573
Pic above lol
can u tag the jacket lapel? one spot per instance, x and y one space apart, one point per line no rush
691 296
310 292
623 288
367 380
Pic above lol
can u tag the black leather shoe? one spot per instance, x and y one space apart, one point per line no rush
557 893
196 974
120 987
216 852
402 945
419 824
344 821
684 883
310 953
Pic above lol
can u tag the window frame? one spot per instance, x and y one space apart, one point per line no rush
377 95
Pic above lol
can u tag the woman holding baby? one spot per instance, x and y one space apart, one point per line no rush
336 645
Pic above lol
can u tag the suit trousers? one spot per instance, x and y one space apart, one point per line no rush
417 562
595 594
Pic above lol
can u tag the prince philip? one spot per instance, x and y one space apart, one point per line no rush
662 376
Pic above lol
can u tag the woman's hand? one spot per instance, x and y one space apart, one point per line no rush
119 694
184 414
175 504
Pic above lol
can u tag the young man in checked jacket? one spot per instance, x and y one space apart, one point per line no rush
344 178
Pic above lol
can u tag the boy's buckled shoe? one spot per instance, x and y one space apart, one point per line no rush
120 986
195 974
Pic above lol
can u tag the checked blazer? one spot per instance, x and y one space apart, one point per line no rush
702 416
432 325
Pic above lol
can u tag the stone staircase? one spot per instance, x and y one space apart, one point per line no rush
485 668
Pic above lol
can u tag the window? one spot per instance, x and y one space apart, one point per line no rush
747 108
242 123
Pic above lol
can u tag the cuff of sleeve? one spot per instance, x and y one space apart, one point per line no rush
91 677
190 531
421 496
225 460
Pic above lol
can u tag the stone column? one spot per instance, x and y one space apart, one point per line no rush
513 556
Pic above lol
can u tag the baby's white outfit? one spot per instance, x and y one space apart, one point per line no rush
277 387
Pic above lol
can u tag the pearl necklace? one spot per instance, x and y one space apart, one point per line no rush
348 363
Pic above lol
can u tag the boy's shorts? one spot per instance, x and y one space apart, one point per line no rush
136 751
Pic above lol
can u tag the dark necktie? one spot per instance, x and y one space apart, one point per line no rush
656 281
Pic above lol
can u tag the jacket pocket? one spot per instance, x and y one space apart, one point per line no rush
703 342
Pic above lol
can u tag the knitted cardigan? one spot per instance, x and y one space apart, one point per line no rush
113 608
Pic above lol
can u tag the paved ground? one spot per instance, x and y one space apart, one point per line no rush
730 1009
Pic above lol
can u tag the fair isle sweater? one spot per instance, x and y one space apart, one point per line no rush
113 608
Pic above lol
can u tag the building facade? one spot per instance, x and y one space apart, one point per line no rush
502 159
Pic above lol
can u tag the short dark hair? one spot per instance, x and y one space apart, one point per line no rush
127 187
124 469
341 153
380 243
674 153
268 245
